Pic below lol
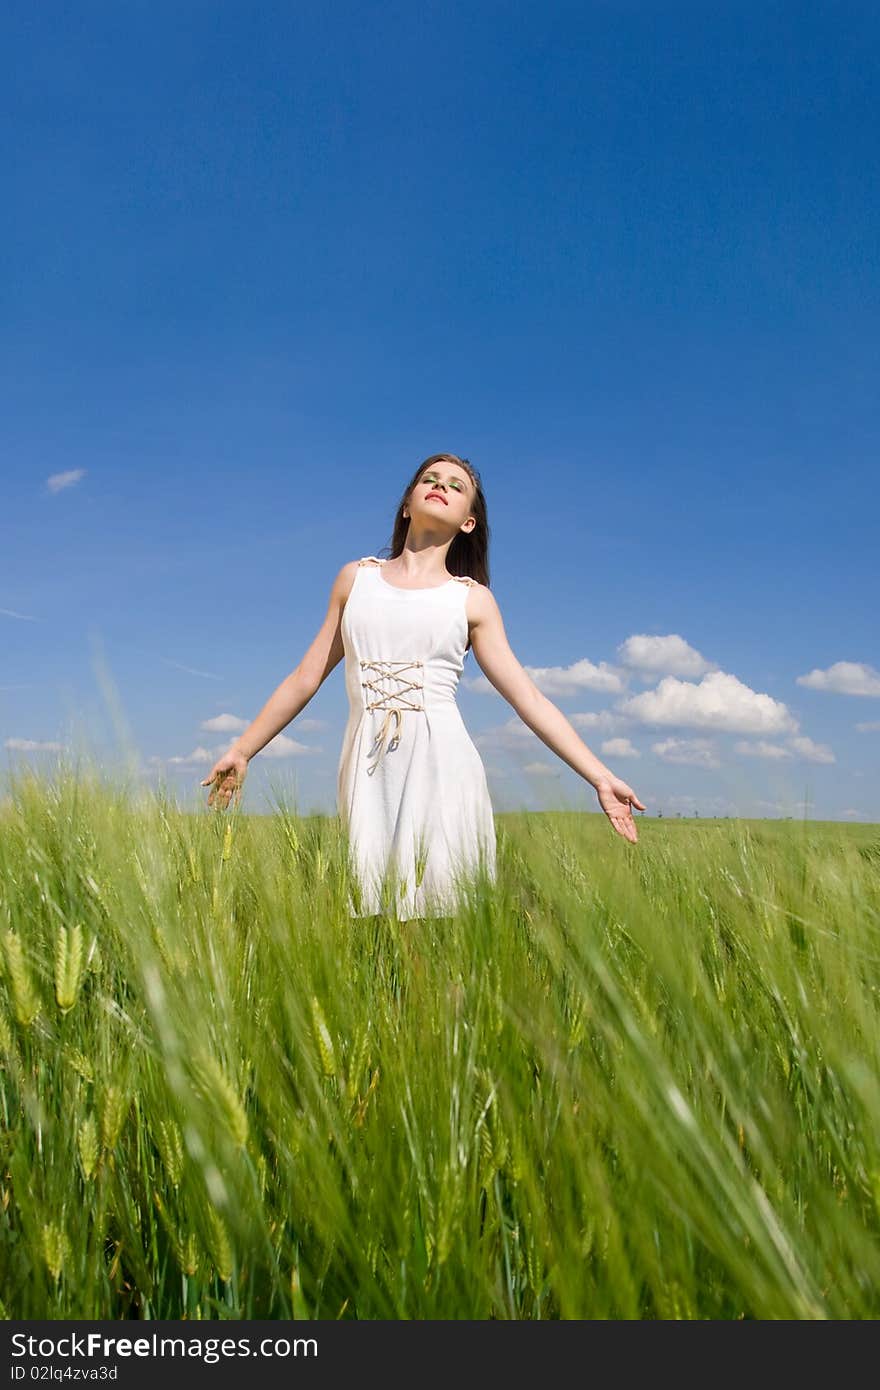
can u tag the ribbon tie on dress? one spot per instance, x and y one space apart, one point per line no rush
393 671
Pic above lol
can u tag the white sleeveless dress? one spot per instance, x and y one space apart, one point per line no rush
411 787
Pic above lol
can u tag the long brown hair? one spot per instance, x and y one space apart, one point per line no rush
469 553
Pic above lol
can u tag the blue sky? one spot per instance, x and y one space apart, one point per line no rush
260 261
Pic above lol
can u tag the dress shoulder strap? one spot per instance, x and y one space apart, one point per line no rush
378 560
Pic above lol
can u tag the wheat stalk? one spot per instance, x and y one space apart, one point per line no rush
56 1248
170 1145
25 1000
68 965
219 1246
87 1142
216 1086
323 1040
113 1114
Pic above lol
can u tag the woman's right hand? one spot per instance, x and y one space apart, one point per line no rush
617 799
227 776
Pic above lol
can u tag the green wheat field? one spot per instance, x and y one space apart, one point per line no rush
627 1081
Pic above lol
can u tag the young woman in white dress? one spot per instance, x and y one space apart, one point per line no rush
411 788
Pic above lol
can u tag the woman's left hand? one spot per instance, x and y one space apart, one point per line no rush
617 800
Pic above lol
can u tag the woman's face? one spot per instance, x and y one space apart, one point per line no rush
443 490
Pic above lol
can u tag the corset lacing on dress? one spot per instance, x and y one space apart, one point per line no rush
395 700
394 671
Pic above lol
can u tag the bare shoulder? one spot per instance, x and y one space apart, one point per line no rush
345 577
480 604
344 580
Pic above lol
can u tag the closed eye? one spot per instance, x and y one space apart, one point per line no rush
453 482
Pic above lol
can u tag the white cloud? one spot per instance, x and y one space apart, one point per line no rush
761 749
512 735
57 481
696 751
668 656
720 702
11 613
581 675
283 747
619 748
233 724
603 719
225 724
32 745
541 770
812 752
844 678
279 747
198 755
563 680
869 727
481 685
515 735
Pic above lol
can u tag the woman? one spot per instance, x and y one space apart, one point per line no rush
411 789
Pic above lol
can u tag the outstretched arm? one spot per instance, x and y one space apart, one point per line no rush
295 691
500 666
290 697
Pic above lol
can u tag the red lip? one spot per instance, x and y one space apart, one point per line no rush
439 496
